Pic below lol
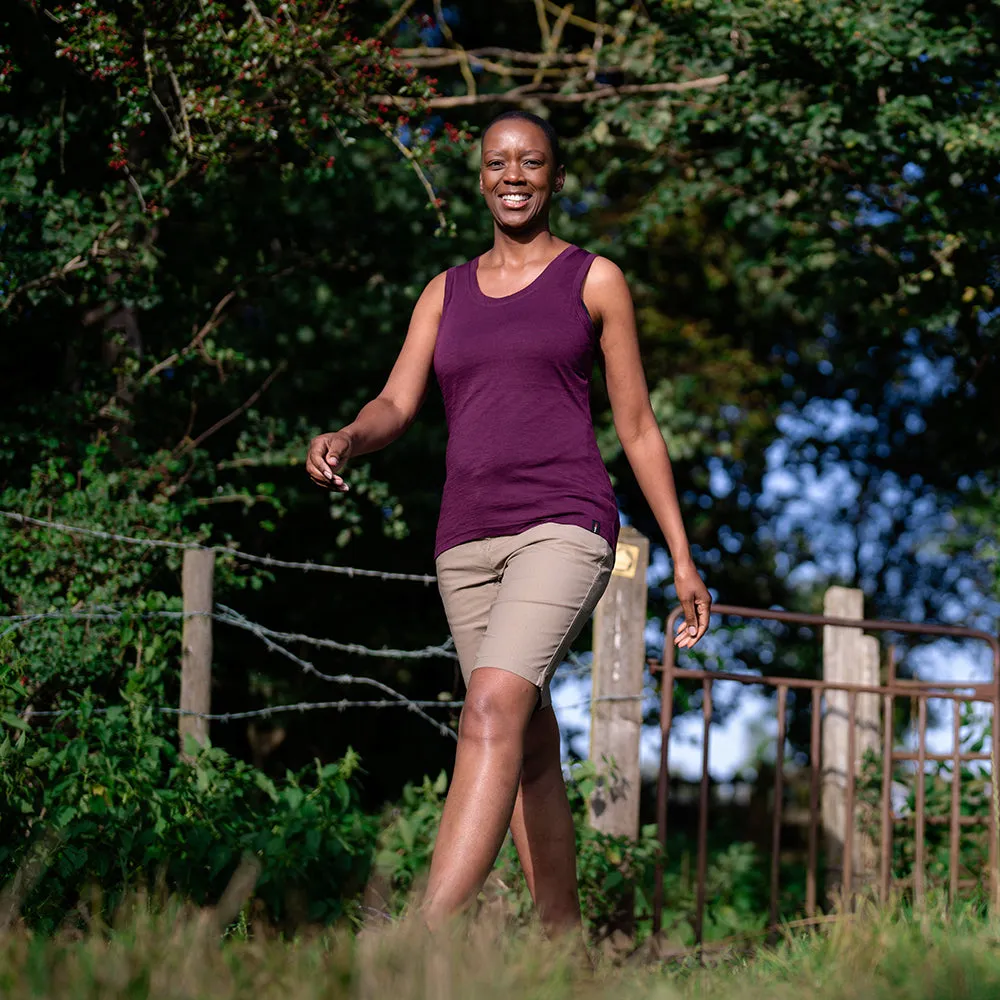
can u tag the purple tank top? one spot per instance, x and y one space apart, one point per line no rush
515 375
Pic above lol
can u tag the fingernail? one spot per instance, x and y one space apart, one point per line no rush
691 630
328 474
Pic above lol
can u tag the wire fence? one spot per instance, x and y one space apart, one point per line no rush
225 550
575 666
273 640
276 641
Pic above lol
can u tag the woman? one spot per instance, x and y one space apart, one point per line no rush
528 523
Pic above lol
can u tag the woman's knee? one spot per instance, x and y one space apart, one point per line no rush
498 705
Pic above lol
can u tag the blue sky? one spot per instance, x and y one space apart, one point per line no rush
807 496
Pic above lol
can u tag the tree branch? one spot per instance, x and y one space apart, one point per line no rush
135 187
230 417
180 105
256 14
58 273
210 324
543 24
243 498
551 97
551 44
417 56
497 68
580 22
266 459
407 153
595 50
470 80
390 25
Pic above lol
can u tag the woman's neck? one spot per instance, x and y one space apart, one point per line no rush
519 248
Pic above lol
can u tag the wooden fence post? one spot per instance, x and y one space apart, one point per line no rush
196 655
849 657
616 703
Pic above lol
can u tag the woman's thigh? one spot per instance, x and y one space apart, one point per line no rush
468 583
553 575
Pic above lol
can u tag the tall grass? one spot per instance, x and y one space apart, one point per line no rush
176 951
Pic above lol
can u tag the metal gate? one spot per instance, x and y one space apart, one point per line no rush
957 693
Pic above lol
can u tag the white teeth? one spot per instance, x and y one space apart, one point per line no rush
518 198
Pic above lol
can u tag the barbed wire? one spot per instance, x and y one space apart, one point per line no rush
313 670
588 702
574 666
262 713
93 615
305 706
164 543
270 637
230 617
273 640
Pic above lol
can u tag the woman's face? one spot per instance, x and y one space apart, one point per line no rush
518 174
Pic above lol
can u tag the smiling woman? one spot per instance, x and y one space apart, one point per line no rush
520 166
528 523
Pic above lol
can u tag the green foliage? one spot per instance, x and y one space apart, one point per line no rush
211 235
45 571
407 835
975 800
978 531
614 874
187 92
109 803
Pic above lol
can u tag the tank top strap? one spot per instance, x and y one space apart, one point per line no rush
578 263
568 273
456 285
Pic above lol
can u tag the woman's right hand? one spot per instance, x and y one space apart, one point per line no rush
325 461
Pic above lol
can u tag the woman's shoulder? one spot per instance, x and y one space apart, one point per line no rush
604 271
599 270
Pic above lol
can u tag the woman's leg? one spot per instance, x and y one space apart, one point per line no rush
542 826
477 811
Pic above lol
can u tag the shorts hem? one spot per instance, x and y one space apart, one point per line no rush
544 679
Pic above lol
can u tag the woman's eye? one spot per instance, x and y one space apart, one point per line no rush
532 163
494 164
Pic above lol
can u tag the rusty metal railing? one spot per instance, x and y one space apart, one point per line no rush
958 693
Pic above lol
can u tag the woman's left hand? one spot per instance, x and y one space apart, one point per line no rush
697 604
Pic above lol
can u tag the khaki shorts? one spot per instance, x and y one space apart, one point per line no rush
517 602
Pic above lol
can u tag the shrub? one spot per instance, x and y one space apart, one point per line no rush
613 873
123 808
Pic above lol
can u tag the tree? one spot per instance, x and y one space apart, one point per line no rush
800 193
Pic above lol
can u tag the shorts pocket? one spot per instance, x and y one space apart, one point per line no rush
595 544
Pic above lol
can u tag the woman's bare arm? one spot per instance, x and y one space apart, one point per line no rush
387 416
609 301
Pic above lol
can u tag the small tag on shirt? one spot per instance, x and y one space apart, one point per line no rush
595 527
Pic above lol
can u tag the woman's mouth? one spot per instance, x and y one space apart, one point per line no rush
515 199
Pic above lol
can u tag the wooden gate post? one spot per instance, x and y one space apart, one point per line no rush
849 657
616 702
196 655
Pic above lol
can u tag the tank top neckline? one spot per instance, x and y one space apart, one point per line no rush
502 300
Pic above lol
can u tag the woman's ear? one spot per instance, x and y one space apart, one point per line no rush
560 179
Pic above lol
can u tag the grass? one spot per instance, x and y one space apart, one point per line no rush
175 951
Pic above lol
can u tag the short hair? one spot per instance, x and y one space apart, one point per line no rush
527 116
